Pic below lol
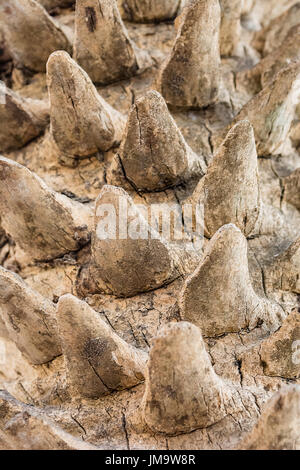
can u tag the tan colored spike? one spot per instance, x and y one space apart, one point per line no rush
128 255
148 11
32 35
264 72
183 392
98 360
29 319
230 189
154 153
231 11
102 45
139 259
22 120
279 425
236 306
191 76
271 112
280 353
45 224
82 123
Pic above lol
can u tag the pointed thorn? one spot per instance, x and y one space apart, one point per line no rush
128 256
182 392
225 263
82 123
29 319
22 120
279 424
230 189
154 153
191 76
271 112
102 45
45 224
262 75
98 360
230 32
280 352
25 427
270 38
283 271
32 35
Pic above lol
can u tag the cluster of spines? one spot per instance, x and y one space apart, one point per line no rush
47 225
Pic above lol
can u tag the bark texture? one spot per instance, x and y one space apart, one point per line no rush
149 224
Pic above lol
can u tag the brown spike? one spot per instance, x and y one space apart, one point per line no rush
191 76
154 153
183 392
270 38
32 35
22 120
225 264
130 262
280 353
263 73
82 123
231 11
29 319
283 271
271 112
230 189
45 224
23 427
279 425
98 360
102 45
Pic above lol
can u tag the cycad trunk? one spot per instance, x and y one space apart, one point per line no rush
116 333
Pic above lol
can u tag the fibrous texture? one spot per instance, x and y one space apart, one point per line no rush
149 224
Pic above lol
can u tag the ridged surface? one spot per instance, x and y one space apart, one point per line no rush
136 344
